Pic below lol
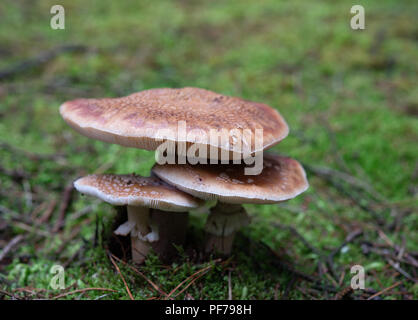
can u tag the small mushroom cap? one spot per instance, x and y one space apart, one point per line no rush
135 120
134 190
282 178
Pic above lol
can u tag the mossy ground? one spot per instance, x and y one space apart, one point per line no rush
349 97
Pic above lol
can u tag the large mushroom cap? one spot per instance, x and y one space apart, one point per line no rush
135 120
135 190
282 178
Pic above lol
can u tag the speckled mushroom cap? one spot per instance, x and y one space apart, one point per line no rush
135 190
282 178
134 121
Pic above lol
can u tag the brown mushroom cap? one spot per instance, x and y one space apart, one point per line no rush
282 178
134 190
134 120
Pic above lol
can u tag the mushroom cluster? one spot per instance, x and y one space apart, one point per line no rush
281 179
157 206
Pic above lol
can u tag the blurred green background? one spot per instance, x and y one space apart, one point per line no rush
349 96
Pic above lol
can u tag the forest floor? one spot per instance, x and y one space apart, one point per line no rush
350 99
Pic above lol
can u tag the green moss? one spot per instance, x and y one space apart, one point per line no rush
350 99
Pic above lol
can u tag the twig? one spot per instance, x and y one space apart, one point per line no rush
407 256
329 174
340 282
384 290
47 214
37 61
24 226
288 287
401 271
141 274
81 290
201 272
298 235
8 294
336 178
10 245
353 196
307 294
350 237
192 281
121 275
367 247
65 203
102 296
344 293
30 290
36 212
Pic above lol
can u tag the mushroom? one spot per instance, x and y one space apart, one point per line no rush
147 118
282 179
157 212
184 118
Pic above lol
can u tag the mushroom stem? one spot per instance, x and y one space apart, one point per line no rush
156 229
219 244
140 247
172 227
222 224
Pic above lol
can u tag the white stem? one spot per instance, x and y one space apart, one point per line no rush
151 228
222 223
140 248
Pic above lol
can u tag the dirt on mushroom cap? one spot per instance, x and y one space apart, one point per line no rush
282 178
135 190
134 120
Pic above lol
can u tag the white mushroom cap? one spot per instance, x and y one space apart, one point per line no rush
134 190
282 179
